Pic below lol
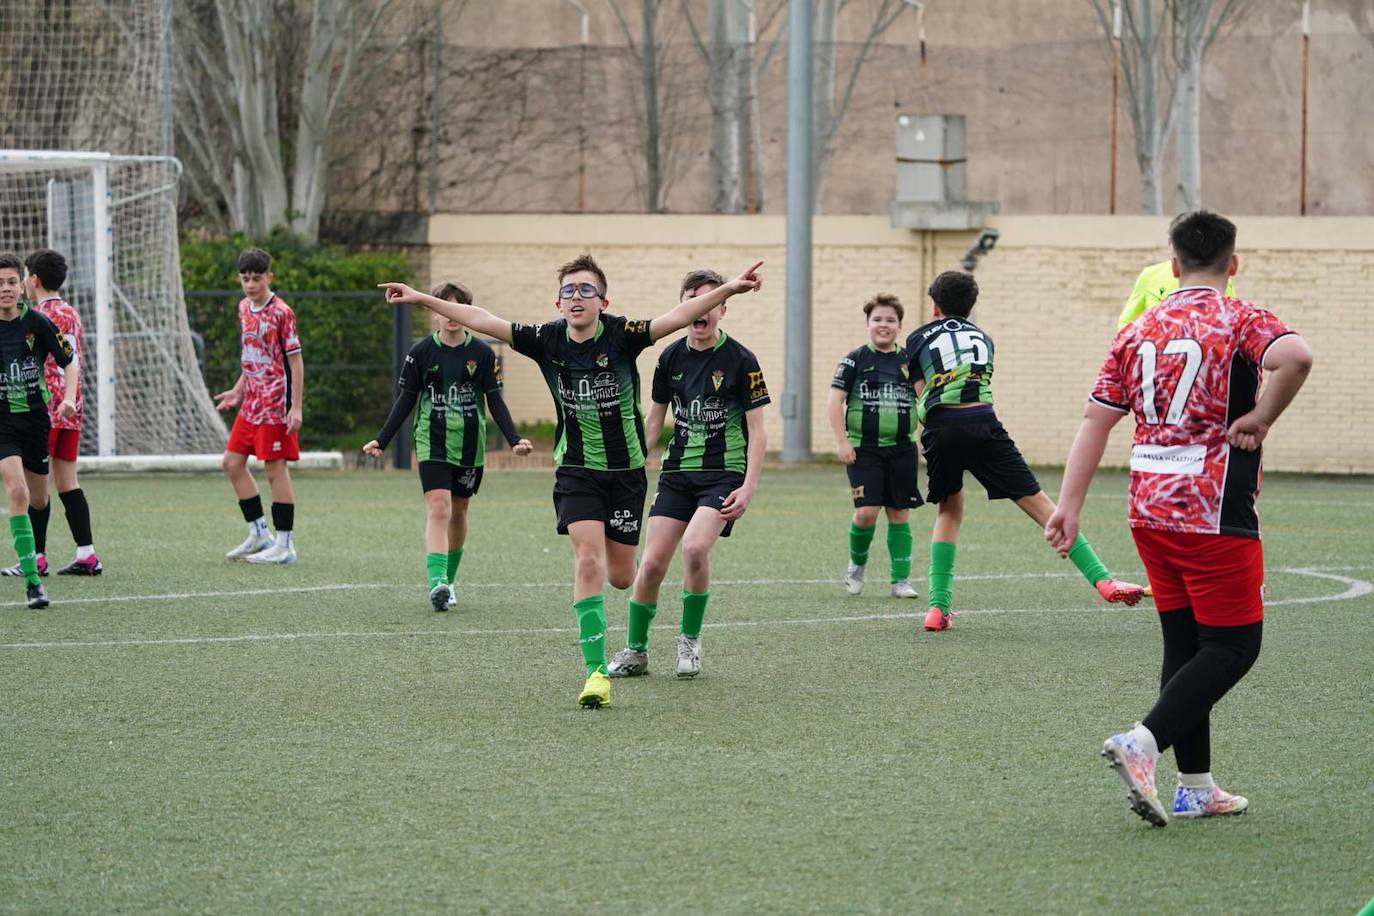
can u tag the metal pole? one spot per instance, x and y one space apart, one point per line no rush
796 397
437 75
165 23
1302 169
104 309
400 346
586 34
1116 91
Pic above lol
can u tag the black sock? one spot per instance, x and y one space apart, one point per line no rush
78 516
252 508
283 516
39 519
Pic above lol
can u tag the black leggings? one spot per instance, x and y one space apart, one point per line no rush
1201 664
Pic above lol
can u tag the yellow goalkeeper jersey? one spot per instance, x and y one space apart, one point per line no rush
1154 283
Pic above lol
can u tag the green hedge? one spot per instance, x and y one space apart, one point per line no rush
346 343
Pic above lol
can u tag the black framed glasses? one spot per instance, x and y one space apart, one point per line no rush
585 290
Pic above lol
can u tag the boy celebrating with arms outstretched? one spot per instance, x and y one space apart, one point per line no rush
1189 371
709 474
27 339
588 362
951 365
268 395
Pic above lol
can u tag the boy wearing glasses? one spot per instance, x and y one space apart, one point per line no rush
588 362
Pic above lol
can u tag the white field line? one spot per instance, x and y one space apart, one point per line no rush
1357 588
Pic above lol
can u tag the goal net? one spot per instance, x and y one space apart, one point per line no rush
88 76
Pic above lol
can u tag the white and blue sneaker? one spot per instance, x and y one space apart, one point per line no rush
1208 802
1137 770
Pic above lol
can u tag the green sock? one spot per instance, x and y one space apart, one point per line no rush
941 575
1082 555
859 539
591 627
454 558
694 609
21 529
899 549
435 565
641 616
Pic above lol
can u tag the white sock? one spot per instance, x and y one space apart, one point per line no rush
285 539
1146 739
1195 780
258 527
84 552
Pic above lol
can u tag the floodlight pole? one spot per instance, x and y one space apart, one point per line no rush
1302 169
583 39
796 395
1116 92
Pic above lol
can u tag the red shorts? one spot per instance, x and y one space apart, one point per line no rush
1219 576
64 444
268 441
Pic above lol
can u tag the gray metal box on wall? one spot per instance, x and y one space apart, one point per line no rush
932 175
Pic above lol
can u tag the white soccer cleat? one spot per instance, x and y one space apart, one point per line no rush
452 596
628 663
904 589
1208 802
256 543
688 655
274 555
440 596
854 579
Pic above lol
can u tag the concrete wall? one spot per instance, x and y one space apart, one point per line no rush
1050 295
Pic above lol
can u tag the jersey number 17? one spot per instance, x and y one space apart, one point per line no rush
1191 351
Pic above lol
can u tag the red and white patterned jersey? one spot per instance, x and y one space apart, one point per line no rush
267 337
1187 369
68 323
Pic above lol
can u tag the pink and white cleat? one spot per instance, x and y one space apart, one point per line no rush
1114 591
1137 771
87 567
936 620
1207 802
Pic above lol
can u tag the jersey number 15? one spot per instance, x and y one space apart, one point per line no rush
1191 351
960 348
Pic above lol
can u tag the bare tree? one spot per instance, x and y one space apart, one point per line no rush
256 143
1196 24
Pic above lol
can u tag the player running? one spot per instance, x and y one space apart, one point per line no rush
875 438
709 473
448 373
951 361
46 273
588 362
1189 371
268 394
27 338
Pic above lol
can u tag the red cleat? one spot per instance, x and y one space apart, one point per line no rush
937 619
1114 591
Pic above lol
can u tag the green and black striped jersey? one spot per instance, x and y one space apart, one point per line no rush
26 342
595 387
878 414
451 424
954 359
710 391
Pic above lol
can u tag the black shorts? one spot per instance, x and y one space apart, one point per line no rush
884 477
440 475
26 435
956 441
681 493
613 497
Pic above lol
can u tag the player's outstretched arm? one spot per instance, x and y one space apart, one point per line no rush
738 499
1084 457
1288 361
473 317
684 313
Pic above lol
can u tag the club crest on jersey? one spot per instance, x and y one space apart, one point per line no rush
716 378
28 339
603 360
906 373
472 367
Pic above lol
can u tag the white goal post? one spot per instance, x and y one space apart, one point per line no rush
114 218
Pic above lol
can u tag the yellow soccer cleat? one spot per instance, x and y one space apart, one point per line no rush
596 693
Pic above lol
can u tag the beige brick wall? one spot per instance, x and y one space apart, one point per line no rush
1050 295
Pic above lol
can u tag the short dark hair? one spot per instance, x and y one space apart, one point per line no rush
254 261
700 277
955 292
885 300
453 291
583 262
49 267
11 260
1202 240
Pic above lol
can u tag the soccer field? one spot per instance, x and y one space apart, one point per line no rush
186 734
